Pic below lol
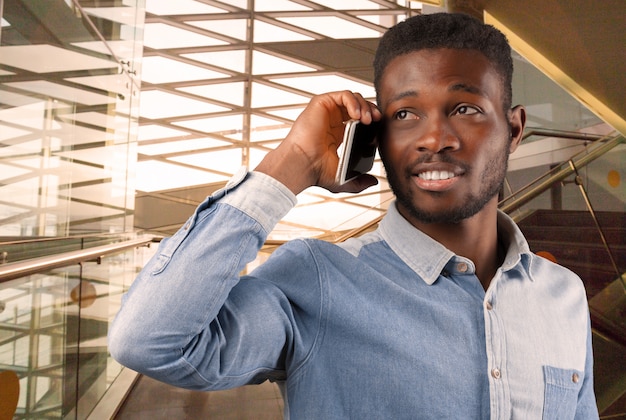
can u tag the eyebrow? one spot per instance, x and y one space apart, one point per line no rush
463 87
467 88
401 95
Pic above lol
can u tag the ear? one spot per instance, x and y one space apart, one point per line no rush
517 121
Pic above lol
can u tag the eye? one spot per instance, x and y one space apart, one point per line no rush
403 114
466 110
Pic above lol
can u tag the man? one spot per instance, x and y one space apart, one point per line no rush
443 312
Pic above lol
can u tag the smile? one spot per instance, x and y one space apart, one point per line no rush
436 175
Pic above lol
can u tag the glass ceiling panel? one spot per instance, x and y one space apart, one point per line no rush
158 69
224 92
277 5
242 4
263 63
181 146
332 26
154 132
265 32
156 176
232 60
180 7
235 28
223 160
330 216
161 36
226 125
158 104
325 83
265 96
349 4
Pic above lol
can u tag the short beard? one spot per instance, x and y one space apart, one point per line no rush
494 175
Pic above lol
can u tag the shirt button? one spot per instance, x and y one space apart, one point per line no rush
489 306
495 372
575 378
462 267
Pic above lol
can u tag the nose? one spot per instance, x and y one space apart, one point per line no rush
437 136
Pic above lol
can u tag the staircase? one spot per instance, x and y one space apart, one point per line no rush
574 241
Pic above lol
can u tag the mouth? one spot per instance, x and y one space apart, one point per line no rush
436 175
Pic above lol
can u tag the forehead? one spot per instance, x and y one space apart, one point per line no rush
440 69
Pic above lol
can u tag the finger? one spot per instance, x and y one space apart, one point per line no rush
356 185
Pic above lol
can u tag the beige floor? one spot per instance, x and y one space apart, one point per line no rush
153 400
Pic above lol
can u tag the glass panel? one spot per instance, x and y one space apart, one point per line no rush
547 104
236 28
325 83
332 26
153 105
231 93
153 131
223 160
263 63
155 176
276 5
180 7
53 330
233 60
266 96
71 126
229 125
181 146
160 36
266 32
163 70
349 4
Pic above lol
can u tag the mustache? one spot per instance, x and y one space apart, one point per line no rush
435 158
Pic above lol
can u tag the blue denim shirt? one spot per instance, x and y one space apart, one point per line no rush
388 325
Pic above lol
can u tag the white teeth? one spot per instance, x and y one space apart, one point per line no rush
436 175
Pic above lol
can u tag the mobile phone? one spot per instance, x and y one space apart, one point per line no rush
357 151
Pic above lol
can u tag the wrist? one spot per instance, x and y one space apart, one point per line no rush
291 168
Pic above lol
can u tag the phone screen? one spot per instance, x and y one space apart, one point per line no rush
358 150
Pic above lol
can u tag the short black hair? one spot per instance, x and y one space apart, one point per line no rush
446 30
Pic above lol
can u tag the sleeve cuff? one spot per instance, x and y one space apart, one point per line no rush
259 196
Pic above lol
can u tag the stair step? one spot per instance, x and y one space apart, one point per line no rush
570 218
569 234
593 253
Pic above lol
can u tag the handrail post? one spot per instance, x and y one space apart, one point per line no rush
583 191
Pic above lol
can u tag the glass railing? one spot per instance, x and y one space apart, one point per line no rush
69 96
55 312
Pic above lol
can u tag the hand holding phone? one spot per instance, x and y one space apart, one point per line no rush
357 151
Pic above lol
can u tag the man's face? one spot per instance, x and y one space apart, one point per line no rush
447 138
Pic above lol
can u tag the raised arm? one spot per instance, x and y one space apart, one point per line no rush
182 321
308 156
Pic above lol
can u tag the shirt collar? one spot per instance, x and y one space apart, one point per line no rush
428 257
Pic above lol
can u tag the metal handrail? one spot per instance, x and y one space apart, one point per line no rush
535 188
571 135
11 271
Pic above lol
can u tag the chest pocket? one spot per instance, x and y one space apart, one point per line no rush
561 392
